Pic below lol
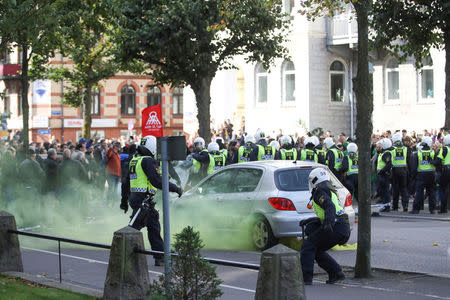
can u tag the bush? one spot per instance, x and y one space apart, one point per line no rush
192 276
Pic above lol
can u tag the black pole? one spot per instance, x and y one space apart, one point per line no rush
59 257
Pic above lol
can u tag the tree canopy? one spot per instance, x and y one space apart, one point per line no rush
185 42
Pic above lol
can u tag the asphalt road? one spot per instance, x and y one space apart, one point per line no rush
414 245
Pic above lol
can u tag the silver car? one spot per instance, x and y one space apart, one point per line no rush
267 198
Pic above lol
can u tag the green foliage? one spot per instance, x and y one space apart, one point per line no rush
318 8
318 131
185 42
192 277
410 27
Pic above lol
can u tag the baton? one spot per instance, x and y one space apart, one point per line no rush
134 218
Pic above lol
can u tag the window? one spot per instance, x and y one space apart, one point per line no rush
427 80
337 81
95 105
288 81
219 183
19 102
288 6
261 84
127 100
177 98
6 102
246 180
392 79
153 96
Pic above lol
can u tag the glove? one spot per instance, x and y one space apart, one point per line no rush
124 206
179 191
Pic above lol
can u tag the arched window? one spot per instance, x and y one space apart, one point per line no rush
261 84
288 81
153 96
177 101
127 100
427 79
392 79
337 81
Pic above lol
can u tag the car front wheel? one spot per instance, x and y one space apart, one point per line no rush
262 234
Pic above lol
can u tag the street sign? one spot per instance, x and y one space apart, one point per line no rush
130 125
176 147
56 112
43 131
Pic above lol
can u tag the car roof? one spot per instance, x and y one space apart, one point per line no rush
278 164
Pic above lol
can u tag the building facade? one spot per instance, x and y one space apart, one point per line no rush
116 106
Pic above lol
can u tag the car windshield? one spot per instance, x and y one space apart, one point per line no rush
294 179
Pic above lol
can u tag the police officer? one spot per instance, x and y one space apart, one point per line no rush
200 161
265 152
308 154
330 228
248 151
287 151
443 161
400 157
334 158
276 145
222 147
320 150
384 167
425 173
138 190
350 168
217 159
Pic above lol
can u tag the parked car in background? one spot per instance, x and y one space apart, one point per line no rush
265 198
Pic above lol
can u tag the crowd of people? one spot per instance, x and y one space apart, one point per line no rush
397 163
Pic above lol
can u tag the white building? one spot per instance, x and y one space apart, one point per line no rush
315 87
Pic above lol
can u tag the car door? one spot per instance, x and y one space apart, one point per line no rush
209 204
236 204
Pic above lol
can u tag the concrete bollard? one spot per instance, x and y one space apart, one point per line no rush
10 256
127 276
280 275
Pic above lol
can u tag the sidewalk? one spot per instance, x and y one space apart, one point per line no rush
384 284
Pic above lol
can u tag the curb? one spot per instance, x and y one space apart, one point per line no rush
55 284
416 217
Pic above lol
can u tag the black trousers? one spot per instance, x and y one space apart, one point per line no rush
315 247
400 187
351 183
151 221
425 181
383 188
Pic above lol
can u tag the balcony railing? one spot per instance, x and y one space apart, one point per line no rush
9 71
342 29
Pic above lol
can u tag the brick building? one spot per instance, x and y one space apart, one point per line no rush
119 101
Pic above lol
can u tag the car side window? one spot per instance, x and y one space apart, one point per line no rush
246 180
219 183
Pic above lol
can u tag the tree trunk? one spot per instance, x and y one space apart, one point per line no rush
25 108
364 106
447 77
203 99
87 104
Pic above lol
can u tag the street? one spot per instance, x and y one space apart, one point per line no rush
405 244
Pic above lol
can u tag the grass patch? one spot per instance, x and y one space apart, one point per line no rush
18 289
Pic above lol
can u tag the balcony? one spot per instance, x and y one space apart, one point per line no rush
9 71
342 30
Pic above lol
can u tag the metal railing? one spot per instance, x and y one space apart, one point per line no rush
215 261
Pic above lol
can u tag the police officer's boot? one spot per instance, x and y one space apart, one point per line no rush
335 277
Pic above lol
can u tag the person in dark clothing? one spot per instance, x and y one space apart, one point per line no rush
51 171
442 161
401 156
425 173
71 173
351 169
248 151
139 187
330 228
200 161
30 172
384 168
334 158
